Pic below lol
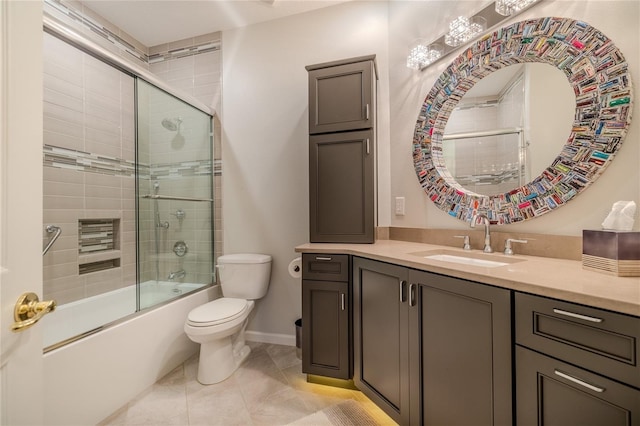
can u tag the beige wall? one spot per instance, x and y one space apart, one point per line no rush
265 136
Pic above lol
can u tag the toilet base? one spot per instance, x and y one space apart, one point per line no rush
219 359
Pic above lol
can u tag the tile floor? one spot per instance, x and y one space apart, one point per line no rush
268 389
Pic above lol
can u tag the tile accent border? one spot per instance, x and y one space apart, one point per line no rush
176 170
98 29
65 158
183 52
122 44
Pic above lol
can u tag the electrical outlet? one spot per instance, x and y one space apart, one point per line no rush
399 206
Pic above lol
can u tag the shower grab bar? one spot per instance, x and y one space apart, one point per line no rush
167 197
51 229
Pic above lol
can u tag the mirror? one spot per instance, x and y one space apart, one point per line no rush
500 134
599 78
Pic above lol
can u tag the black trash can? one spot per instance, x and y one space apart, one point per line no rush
299 338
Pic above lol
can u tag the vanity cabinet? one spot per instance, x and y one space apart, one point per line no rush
575 364
326 320
461 351
431 349
342 187
381 335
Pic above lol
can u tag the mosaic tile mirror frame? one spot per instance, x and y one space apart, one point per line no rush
599 76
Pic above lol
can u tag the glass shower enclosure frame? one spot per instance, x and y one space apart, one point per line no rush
174 177
128 190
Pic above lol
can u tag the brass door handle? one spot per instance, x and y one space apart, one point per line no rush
29 310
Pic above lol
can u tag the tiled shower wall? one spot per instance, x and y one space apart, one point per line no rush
91 178
89 159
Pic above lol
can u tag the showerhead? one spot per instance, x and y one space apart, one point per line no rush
172 124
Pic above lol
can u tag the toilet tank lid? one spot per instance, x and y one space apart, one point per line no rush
244 258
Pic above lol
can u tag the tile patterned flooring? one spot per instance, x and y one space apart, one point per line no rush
269 388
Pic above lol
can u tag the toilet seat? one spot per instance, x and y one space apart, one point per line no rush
217 312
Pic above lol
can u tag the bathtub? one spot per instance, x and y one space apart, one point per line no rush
88 379
90 314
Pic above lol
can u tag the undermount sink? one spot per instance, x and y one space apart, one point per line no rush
472 259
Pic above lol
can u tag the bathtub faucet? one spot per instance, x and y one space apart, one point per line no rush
177 274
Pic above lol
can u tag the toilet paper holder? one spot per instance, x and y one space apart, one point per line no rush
295 268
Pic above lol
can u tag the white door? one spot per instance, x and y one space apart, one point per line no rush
21 364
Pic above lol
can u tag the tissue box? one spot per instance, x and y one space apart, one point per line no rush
612 252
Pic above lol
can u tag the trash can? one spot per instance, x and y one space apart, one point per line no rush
299 338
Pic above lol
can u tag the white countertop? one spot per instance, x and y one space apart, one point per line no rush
557 278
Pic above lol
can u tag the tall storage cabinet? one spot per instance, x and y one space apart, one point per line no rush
342 117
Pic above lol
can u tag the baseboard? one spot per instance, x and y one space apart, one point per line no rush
274 338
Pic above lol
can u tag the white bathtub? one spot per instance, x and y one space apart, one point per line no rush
87 380
82 316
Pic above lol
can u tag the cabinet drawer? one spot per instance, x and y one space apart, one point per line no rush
551 392
601 341
325 267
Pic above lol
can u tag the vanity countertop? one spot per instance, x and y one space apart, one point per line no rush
556 278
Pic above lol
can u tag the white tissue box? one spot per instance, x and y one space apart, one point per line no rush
612 252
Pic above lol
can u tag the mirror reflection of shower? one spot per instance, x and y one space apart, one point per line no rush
174 125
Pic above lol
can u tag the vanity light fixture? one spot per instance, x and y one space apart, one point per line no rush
462 30
421 55
509 7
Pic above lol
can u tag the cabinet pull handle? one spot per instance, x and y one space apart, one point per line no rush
366 112
367 143
342 304
578 381
403 284
412 294
579 316
324 259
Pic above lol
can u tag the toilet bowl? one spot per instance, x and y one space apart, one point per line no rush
218 326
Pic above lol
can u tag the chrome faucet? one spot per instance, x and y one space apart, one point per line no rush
177 275
487 234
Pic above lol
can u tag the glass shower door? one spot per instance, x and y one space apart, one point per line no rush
175 196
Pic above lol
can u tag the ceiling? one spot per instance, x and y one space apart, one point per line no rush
162 21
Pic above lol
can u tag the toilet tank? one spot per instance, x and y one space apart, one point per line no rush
244 275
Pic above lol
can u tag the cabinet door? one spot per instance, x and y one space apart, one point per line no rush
550 392
460 346
381 358
325 328
342 188
341 97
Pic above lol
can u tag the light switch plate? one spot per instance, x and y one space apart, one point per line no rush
399 206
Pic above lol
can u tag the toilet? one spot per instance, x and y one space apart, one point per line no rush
219 325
